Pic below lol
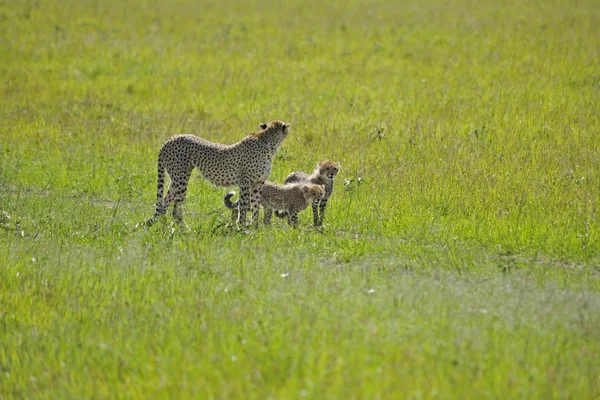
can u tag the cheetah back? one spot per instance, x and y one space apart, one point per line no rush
296 177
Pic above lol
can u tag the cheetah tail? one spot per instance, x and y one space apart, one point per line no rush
281 214
227 201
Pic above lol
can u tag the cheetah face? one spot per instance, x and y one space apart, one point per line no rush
329 169
319 192
313 192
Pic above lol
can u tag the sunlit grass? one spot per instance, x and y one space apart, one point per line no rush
460 251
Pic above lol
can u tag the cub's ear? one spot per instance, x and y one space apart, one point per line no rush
263 126
305 189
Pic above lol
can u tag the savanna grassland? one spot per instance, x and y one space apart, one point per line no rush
460 254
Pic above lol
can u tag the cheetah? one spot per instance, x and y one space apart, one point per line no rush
323 174
246 164
291 199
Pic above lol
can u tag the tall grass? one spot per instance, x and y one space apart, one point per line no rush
460 251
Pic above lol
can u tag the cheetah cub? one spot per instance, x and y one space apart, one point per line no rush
290 199
246 164
323 174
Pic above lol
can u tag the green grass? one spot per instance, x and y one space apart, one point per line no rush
461 249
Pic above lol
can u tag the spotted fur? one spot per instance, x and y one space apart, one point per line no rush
290 199
323 174
246 164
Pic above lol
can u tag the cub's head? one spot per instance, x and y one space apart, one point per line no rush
328 169
313 192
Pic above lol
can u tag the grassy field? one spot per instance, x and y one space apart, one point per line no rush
460 255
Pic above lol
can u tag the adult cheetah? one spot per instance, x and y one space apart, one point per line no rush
291 199
246 164
323 174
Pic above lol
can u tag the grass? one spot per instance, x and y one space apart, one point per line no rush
461 249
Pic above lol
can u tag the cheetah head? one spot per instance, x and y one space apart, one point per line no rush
273 133
275 125
328 169
313 192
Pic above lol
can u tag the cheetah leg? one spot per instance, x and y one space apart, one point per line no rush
176 194
268 213
160 208
169 197
322 205
315 208
255 202
243 205
293 218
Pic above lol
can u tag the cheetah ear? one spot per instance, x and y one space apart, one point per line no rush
305 189
263 126
319 164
